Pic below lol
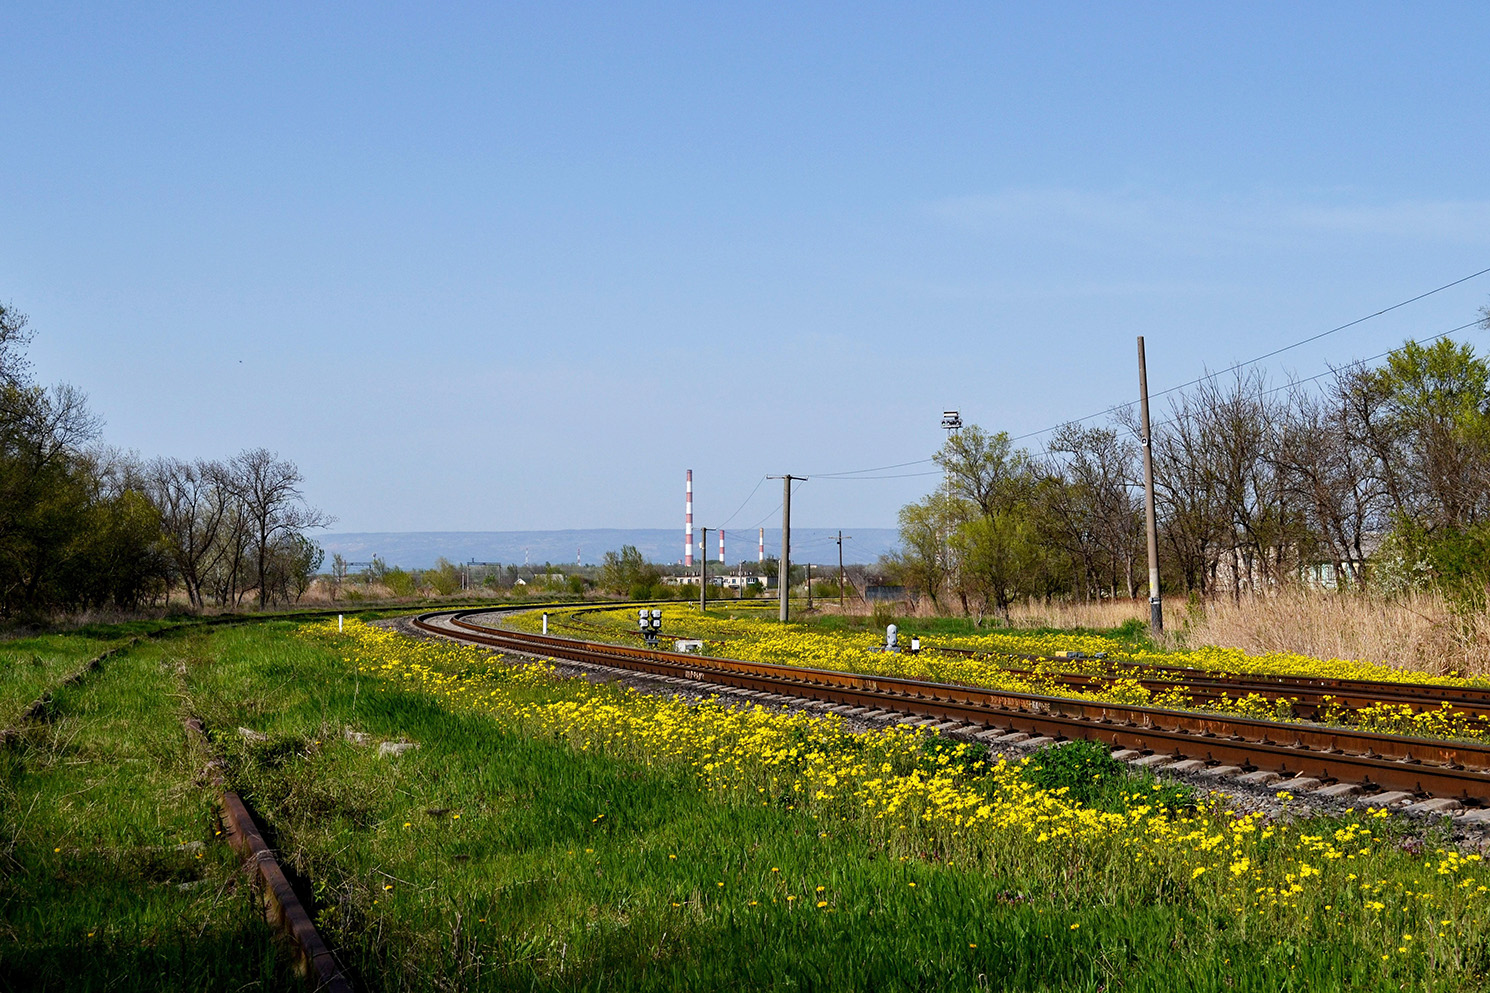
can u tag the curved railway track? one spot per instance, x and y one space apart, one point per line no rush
1336 761
1308 696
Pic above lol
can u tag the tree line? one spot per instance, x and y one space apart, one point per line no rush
83 525
1378 476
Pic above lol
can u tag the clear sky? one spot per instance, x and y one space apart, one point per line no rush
508 267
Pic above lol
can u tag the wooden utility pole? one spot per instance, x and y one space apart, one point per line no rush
703 570
1156 602
809 586
784 567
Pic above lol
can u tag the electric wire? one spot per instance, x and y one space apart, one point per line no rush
878 468
862 474
1329 372
731 517
764 519
1260 358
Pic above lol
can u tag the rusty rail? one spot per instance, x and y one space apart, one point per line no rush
1419 765
314 961
1308 696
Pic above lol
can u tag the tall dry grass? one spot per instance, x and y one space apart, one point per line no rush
1410 631
1417 631
1077 614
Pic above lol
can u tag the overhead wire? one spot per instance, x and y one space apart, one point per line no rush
1328 372
1260 358
758 482
878 468
778 504
864 474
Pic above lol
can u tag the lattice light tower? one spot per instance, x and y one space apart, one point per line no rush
952 423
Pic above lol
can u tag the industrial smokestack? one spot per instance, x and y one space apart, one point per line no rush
721 546
762 554
688 521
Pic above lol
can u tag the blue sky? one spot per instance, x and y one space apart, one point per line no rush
568 251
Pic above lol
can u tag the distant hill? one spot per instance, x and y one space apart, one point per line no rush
420 549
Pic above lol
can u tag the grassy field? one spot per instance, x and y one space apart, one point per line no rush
539 838
553 834
113 876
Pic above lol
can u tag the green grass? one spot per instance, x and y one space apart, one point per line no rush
113 878
491 860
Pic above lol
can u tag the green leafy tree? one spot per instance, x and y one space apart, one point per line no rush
628 572
1432 430
923 563
1000 557
444 578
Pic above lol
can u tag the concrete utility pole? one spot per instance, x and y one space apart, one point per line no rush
703 569
1156 602
840 568
784 567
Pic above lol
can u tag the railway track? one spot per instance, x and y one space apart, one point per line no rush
1337 762
1308 697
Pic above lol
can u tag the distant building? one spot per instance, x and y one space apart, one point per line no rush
726 581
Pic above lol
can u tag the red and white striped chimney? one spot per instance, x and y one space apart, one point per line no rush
721 546
762 557
688 521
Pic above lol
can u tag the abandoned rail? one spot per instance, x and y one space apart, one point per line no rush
1313 754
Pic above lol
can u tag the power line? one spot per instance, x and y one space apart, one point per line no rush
1328 372
1267 355
743 503
778 503
862 474
878 468
898 475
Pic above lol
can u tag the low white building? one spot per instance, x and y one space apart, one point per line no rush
725 581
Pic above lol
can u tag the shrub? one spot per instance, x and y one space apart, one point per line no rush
1092 777
399 582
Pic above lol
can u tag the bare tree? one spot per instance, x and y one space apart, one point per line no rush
1093 505
194 510
1336 479
269 489
15 335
